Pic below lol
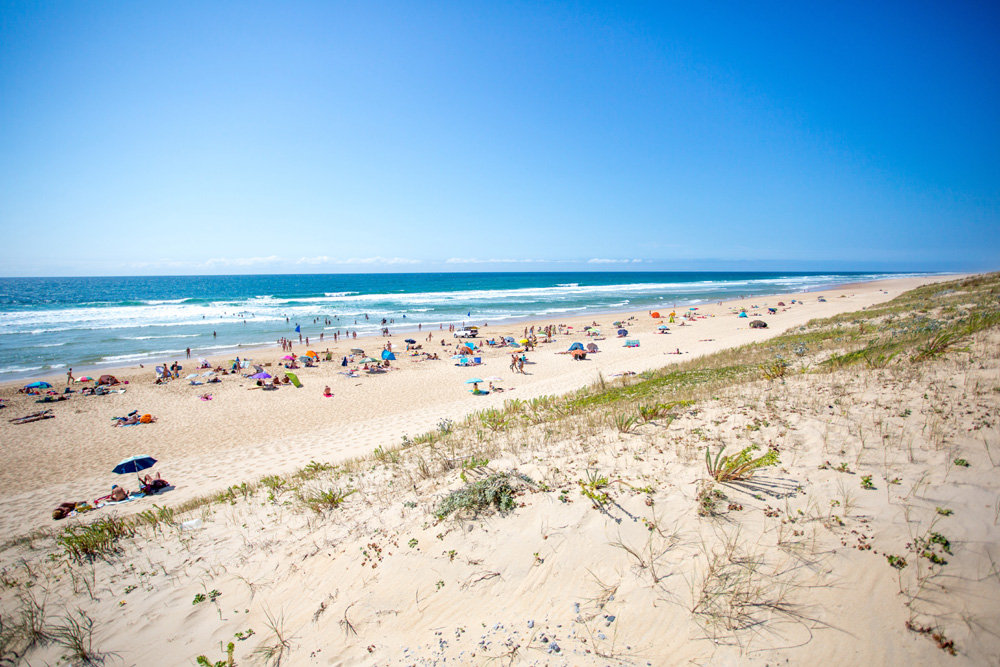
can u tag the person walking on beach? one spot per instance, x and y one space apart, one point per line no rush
69 377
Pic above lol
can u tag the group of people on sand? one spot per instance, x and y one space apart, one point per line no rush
148 485
517 363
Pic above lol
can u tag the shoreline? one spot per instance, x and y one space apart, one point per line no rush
57 377
206 446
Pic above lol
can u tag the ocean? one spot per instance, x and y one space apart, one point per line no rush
49 324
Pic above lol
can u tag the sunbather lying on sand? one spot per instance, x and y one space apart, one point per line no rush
153 484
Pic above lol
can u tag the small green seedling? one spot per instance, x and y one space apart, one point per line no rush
898 562
962 463
866 483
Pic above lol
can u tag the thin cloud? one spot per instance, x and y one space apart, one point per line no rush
474 260
243 261
598 260
376 260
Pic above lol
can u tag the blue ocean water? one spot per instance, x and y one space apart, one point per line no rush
47 324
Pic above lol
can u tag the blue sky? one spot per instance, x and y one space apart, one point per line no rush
295 137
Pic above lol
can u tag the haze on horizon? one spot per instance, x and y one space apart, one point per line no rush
311 137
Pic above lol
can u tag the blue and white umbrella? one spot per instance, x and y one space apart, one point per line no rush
134 464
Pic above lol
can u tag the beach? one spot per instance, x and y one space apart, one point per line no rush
302 529
244 433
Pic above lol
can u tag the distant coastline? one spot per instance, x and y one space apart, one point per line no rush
97 324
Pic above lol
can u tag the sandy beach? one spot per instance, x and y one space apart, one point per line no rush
244 433
328 541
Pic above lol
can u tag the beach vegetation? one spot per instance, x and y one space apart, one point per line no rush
496 492
203 661
100 538
495 419
280 644
774 369
740 466
624 423
326 499
76 634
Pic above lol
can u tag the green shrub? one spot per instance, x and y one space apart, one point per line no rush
497 491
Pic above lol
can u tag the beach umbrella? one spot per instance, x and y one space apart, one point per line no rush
591 347
38 384
260 376
524 341
457 356
622 332
369 360
663 326
288 357
134 464
192 375
494 379
85 378
410 341
692 309
473 381
356 350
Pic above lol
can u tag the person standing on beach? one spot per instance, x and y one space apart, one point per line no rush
69 377
189 353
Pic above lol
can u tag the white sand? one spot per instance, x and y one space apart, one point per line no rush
793 570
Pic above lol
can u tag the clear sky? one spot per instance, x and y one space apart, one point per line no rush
298 137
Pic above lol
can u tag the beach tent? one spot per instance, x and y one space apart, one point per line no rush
410 341
464 349
781 303
386 354
758 324
108 380
576 346
743 313
294 379
622 333
357 350
37 385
